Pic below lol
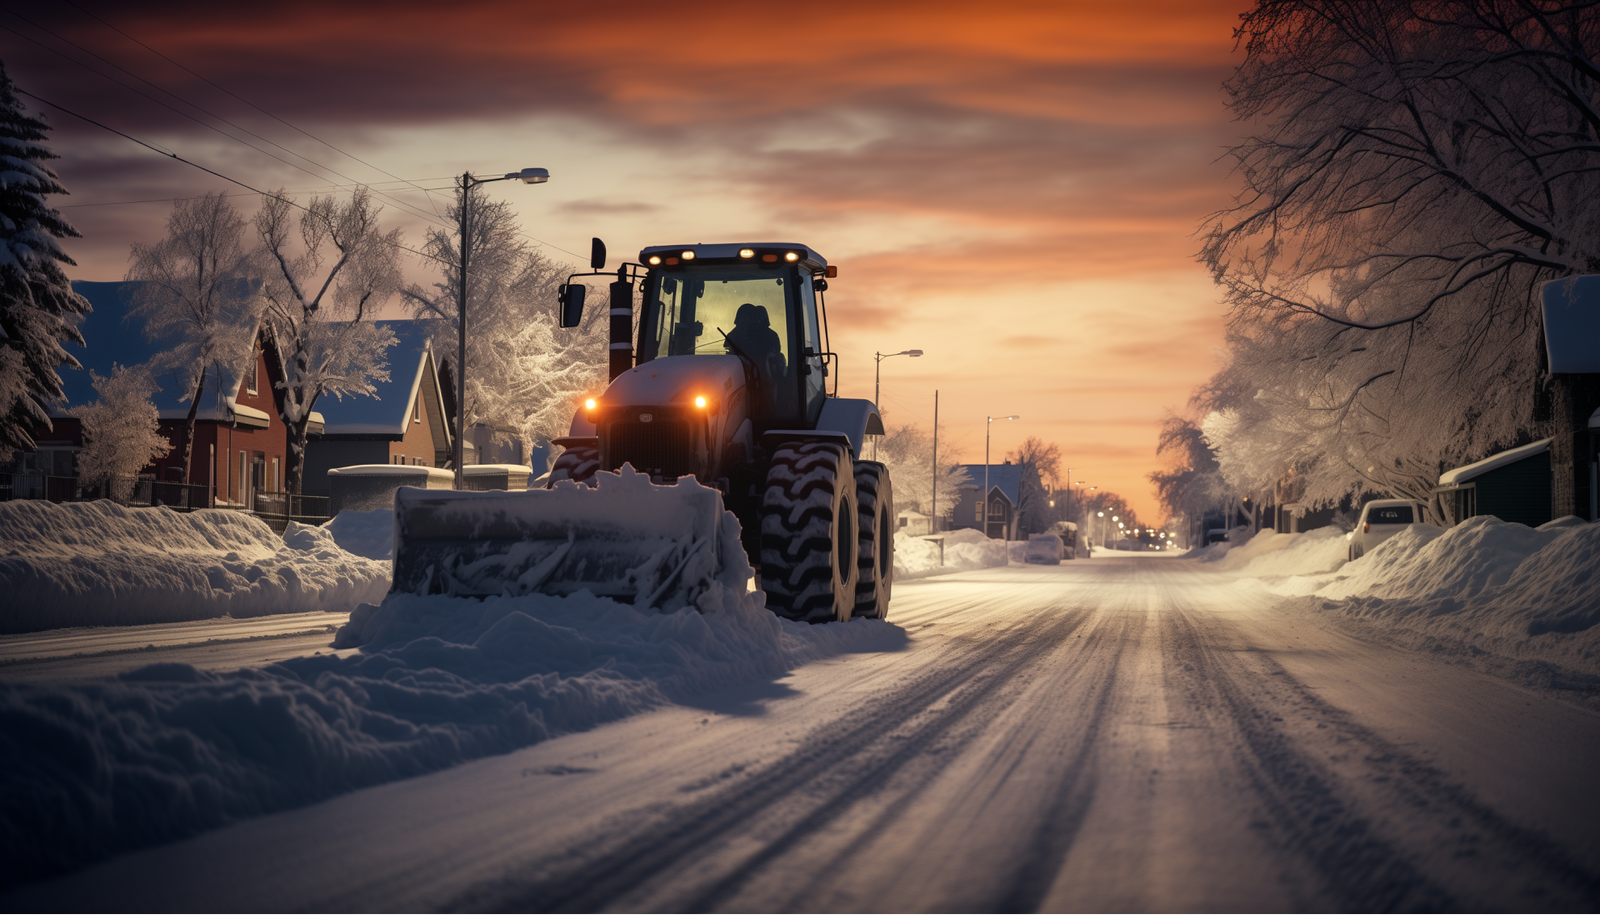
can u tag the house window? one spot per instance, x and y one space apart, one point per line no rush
277 481
416 409
977 513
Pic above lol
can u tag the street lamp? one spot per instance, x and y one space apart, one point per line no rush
468 185
877 377
989 421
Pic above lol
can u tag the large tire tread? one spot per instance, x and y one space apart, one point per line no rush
875 526
802 508
578 463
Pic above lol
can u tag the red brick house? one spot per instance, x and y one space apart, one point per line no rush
241 443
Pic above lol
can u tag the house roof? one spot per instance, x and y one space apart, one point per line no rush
387 410
1005 477
1493 462
111 339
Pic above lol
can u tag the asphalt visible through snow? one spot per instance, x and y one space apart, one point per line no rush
1125 733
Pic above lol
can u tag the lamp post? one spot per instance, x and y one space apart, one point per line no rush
468 185
989 421
877 379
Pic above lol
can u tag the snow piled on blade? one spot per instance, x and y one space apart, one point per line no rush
100 564
168 751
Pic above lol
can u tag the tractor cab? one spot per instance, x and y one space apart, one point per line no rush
754 302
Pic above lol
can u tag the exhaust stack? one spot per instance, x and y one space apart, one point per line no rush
621 324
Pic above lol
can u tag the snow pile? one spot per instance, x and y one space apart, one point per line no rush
169 751
964 550
1522 600
369 534
456 679
1270 554
100 564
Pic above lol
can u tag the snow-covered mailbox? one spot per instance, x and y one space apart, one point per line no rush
1513 485
365 487
486 477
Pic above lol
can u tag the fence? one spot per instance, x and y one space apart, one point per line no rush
279 508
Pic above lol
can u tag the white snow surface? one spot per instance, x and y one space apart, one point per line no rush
169 750
964 551
369 533
100 564
1529 597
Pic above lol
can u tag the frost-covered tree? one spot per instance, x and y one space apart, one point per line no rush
330 267
38 309
908 453
524 374
1193 484
1041 471
1421 167
121 430
197 286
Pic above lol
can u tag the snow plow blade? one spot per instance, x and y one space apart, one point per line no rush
626 538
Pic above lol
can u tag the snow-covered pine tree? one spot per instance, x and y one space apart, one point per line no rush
38 309
121 430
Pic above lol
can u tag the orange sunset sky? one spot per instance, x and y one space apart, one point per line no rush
1013 188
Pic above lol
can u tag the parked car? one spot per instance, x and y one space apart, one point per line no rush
1216 535
1380 520
1044 549
1068 532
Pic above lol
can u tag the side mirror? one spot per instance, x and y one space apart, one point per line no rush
572 296
597 254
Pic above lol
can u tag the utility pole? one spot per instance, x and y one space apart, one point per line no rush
933 524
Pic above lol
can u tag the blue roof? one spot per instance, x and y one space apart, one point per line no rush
110 338
388 409
1005 477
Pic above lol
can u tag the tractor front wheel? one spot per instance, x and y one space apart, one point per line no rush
808 533
577 463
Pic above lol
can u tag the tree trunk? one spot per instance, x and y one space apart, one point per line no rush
297 454
188 435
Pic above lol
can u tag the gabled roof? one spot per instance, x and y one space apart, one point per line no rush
1005 477
387 411
111 339
1493 462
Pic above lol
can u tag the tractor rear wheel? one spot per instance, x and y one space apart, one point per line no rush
577 463
808 533
875 552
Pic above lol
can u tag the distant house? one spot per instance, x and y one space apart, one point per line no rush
406 420
1513 485
995 515
240 446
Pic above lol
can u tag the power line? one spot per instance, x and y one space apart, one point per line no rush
403 204
246 101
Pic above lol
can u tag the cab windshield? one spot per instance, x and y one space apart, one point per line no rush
720 310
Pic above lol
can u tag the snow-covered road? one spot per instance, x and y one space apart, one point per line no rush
1120 733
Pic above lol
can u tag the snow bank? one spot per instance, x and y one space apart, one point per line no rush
369 533
1521 600
99 564
964 550
169 751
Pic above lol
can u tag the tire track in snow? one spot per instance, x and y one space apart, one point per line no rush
1384 829
832 767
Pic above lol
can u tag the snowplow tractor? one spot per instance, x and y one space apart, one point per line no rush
720 374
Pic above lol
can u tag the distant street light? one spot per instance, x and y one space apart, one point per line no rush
989 421
877 378
468 185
